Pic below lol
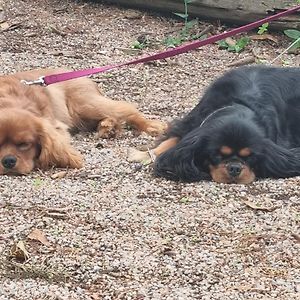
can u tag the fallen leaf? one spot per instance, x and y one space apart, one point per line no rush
59 175
230 41
258 207
38 235
242 62
4 26
296 236
19 251
96 296
264 37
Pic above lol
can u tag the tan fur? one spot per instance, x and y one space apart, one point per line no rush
135 155
220 174
42 116
225 150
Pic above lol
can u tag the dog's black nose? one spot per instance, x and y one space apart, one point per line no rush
9 161
234 169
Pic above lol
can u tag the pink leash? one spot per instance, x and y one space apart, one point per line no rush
50 79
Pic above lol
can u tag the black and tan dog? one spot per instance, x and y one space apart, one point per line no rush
246 126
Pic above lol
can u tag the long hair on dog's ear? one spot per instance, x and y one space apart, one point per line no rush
279 162
55 148
180 163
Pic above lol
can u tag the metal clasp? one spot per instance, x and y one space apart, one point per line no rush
39 81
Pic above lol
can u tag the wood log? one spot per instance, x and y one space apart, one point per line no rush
230 11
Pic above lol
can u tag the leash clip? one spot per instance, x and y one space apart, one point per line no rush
39 81
151 154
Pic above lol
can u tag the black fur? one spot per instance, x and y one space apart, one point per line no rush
261 110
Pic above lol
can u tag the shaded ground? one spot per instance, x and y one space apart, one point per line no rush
112 230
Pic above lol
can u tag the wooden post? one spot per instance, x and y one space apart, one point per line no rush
232 11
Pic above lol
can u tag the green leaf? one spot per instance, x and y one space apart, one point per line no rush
184 200
292 33
199 37
183 16
232 48
222 44
138 45
241 44
294 48
191 24
263 28
172 42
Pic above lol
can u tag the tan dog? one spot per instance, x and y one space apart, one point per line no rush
35 121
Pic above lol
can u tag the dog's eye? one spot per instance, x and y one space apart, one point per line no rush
216 159
251 159
24 146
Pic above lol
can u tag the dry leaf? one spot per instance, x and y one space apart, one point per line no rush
258 207
4 26
230 41
96 296
264 37
296 237
19 251
59 175
38 235
242 62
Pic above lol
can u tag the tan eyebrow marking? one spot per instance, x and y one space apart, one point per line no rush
225 150
245 152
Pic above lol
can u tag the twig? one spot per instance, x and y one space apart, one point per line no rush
284 51
242 62
208 29
57 31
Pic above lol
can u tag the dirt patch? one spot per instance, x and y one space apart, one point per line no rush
113 231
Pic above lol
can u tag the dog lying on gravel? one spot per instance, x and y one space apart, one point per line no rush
246 126
35 120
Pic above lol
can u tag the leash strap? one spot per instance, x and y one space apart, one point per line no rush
50 79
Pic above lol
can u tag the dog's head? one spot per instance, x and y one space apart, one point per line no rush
19 141
28 141
233 151
228 148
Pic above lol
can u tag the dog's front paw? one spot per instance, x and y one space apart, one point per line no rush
134 155
155 127
108 128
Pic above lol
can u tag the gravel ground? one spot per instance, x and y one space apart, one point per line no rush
111 230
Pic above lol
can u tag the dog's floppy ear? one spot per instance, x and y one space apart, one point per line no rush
181 163
278 162
55 148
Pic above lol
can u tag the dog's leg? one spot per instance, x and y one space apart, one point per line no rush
111 114
122 111
147 157
152 127
108 127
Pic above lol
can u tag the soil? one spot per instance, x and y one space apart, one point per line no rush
112 230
